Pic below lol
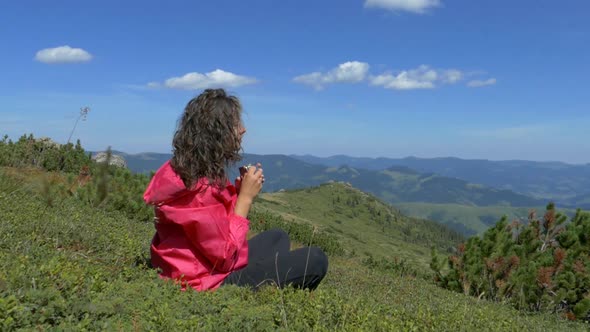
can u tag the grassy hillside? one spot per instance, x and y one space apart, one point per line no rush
364 224
71 266
468 220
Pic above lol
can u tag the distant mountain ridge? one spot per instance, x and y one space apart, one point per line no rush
566 184
394 184
144 162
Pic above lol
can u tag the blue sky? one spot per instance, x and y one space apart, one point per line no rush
472 79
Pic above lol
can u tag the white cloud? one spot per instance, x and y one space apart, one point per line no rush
63 54
348 72
480 83
414 6
452 76
422 77
194 81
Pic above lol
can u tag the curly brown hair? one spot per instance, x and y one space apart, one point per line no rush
206 139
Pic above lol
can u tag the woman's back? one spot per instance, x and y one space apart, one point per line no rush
198 239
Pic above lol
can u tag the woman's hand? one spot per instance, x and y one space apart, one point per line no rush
251 182
249 185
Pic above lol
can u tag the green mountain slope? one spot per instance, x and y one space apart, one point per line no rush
363 223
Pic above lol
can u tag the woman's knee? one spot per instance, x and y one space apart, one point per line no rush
319 260
278 235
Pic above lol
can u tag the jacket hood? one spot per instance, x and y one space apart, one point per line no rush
166 185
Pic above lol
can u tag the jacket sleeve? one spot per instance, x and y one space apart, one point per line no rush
218 235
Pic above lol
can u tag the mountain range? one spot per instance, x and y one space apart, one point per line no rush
438 189
393 184
565 184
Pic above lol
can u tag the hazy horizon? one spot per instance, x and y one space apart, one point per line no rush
356 156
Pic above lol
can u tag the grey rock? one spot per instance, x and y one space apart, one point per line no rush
48 142
116 160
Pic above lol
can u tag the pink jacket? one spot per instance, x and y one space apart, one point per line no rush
199 240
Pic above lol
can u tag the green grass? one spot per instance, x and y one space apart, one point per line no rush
74 267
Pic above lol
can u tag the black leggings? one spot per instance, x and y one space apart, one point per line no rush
271 262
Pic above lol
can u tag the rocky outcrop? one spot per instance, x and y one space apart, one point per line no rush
48 142
116 160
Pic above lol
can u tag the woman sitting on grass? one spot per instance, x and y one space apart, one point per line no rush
201 219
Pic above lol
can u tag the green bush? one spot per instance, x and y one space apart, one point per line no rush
31 152
117 189
542 265
101 185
